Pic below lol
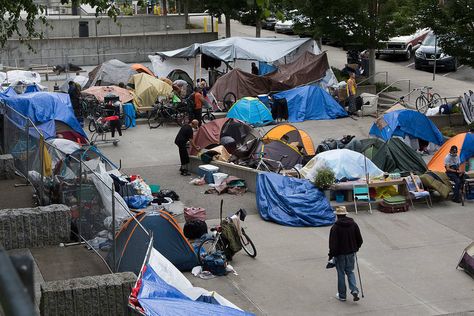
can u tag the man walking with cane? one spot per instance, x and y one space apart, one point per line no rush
344 241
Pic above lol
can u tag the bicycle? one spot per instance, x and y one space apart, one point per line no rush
217 243
207 115
167 113
427 100
271 165
125 120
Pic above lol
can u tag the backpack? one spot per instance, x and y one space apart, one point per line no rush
215 263
194 229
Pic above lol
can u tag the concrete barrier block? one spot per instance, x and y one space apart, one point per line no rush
7 167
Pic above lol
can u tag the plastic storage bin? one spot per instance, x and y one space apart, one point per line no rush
219 177
207 172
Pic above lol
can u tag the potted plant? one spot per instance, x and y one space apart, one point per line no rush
324 179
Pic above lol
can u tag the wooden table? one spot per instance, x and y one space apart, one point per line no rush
348 186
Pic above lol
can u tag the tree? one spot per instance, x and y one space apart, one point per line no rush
229 8
29 11
453 23
364 23
261 10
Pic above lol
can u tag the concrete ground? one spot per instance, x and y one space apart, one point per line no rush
407 262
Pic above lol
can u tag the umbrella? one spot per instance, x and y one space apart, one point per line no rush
99 92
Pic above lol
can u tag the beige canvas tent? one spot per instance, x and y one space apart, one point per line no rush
148 89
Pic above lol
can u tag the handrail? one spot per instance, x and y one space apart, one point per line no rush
398 81
373 76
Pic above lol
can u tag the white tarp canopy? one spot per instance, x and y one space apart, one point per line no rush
344 162
248 48
24 76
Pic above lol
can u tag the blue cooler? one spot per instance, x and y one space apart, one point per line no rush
207 171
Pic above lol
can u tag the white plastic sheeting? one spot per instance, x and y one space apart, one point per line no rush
344 162
24 76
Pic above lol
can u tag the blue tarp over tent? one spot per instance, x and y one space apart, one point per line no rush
292 202
44 107
310 103
159 298
406 123
251 111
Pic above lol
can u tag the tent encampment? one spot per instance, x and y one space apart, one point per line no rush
275 150
139 68
367 146
168 239
310 103
292 202
100 92
396 156
244 84
211 133
293 136
404 123
161 289
465 144
148 89
178 74
307 68
45 109
251 111
344 162
80 80
113 72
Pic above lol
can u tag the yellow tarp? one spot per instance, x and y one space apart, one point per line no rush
148 89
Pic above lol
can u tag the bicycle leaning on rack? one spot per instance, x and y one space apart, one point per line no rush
217 242
427 99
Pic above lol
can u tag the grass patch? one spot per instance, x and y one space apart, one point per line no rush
450 131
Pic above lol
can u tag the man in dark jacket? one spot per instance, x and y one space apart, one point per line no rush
184 136
344 241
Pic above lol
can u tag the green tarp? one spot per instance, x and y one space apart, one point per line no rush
396 156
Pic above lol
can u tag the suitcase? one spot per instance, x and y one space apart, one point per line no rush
393 208
195 229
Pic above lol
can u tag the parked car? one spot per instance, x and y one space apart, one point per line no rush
402 45
285 27
426 54
269 23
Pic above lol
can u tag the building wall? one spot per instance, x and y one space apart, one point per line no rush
68 26
95 50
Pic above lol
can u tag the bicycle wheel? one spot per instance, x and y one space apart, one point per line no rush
207 117
92 126
247 244
154 119
421 104
126 121
293 172
209 246
229 100
182 118
435 100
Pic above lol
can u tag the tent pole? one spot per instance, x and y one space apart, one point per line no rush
200 67
114 268
195 61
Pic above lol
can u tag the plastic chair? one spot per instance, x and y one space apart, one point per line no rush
361 193
416 190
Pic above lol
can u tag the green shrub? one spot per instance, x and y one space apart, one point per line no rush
324 179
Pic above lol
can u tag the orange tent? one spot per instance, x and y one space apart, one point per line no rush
140 68
290 134
465 144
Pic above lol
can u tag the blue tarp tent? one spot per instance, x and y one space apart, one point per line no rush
157 297
251 111
292 202
43 108
406 123
310 103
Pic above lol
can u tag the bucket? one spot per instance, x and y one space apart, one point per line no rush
339 197
166 205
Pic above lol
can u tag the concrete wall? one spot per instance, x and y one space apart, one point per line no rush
97 295
68 26
456 119
95 50
35 227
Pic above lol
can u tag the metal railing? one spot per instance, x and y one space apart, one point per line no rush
70 179
373 76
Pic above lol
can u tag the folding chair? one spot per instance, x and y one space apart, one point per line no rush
416 190
361 193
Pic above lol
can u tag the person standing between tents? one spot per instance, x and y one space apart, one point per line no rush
351 89
74 92
344 241
198 102
452 164
254 69
184 136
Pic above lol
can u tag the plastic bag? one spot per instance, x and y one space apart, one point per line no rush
137 201
198 181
